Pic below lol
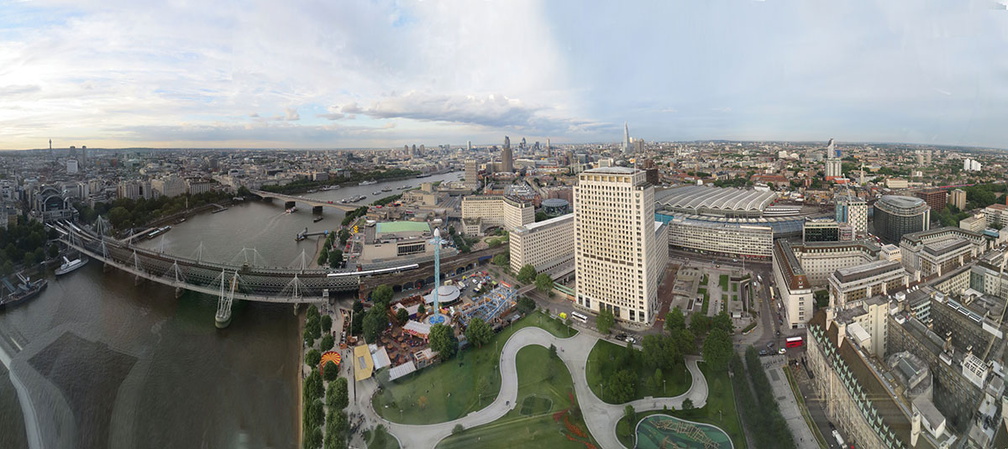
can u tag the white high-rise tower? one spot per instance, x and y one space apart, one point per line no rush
620 252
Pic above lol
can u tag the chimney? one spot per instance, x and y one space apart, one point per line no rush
915 428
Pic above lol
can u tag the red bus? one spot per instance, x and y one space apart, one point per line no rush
793 342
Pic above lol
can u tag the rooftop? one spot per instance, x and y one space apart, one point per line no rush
901 202
613 170
700 198
391 227
856 273
545 223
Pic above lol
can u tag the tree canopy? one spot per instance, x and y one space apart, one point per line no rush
442 339
674 320
543 282
382 294
374 323
621 387
717 349
478 332
605 321
501 260
527 274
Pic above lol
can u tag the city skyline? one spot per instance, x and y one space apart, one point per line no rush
383 74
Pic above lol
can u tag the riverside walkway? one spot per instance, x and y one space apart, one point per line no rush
600 417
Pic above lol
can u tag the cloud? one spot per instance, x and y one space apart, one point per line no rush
17 90
292 115
492 111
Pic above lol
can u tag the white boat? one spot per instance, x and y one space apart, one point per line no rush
368 183
70 265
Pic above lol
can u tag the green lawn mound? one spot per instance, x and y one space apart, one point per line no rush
662 431
535 405
606 358
452 389
548 415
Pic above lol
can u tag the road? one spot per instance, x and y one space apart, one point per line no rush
600 417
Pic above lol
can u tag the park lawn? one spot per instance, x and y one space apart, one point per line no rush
546 382
447 390
601 367
723 281
720 398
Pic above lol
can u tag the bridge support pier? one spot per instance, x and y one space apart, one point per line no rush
297 307
178 292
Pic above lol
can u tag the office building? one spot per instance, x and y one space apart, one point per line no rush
897 215
620 251
957 198
71 166
750 241
934 198
169 186
481 212
546 245
853 211
627 147
471 174
937 251
880 277
821 231
507 157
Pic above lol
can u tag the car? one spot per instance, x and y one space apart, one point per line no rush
769 344
782 351
631 339
621 337
778 332
763 352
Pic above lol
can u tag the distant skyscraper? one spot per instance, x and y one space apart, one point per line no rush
626 137
549 148
507 157
834 167
83 156
468 145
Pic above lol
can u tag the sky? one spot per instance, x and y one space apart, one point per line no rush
376 73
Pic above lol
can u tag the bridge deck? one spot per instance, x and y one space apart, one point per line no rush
303 200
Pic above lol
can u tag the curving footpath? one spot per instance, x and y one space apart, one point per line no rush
600 417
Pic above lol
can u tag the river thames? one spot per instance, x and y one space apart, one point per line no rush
103 362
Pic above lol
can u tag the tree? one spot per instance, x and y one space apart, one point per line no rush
478 332
482 386
685 341
630 414
699 324
660 351
313 438
344 235
605 321
552 351
337 394
374 323
442 339
337 425
723 321
316 413
313 357
382 294
674 320
402 316
687 404
543 282
621 387
527 274
459 428
326 323
658 380
327 342
336 258
526 305
330 371
501 260
421 309
717 349
313 386
323 256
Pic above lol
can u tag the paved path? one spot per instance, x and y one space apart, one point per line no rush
600 417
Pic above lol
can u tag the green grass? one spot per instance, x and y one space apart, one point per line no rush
723 281
706 300
548 382
602 365
447 391
720 399
734 286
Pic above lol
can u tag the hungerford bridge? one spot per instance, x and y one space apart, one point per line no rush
228 282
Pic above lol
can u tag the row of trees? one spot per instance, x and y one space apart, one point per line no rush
24 244
125 213
759 410
305 184
354 215
315 326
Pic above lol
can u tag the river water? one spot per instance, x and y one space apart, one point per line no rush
107 363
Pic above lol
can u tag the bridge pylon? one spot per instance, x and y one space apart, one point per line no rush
223 316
